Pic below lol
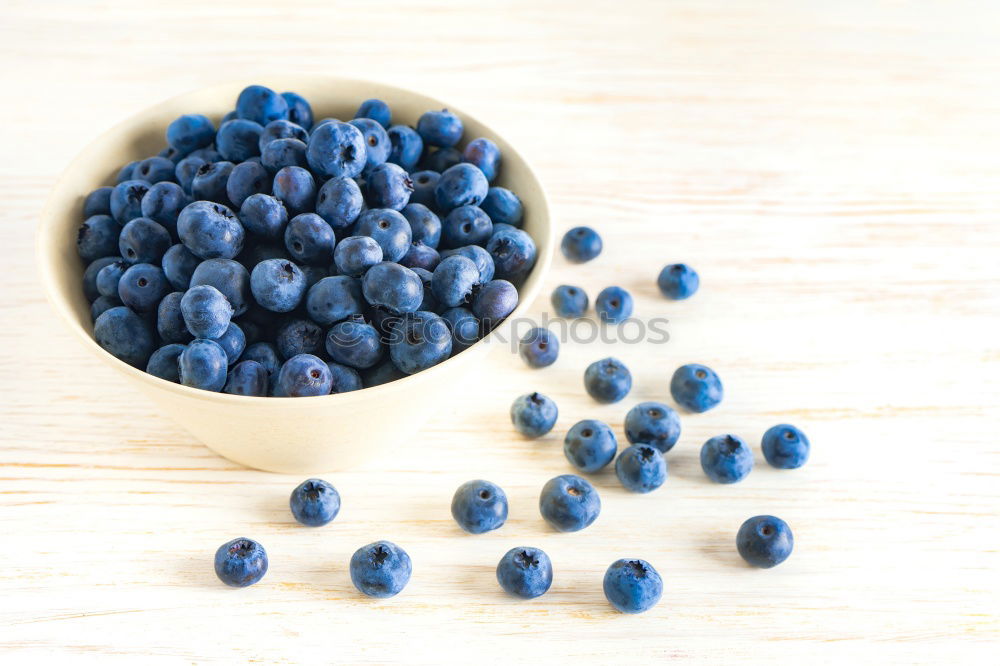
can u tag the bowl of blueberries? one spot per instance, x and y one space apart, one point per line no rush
350 244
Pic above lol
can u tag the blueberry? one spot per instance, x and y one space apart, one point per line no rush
377 143
126 200
262 251
696 387
539 348
613 305
229 277
513 252
581 244
125 173
90 275
389 186
109 277
238 140
479 256
503 206
479 506
125 335
298 336
190 132
142 286
278 285
590 445
206 311
246 179
356 254
203 365
785 447
419 341
632 586
261 105
641 468
677 281
393 287
389 229
441 160
607 380
345 379
233 342
186 170
102 304
143 241
569 301
534 414
440 128
339 202
376 110
299 111
207 154
653 423
241 562
336 149
163 203
303 375
280 129
463 325
282 153
465 225
381 569
264 216
421 256
314 502
97 237
170 320
726 459
406 147
266 354
424 183
525 572
484 154
425 226
494 301
247 378
383 373
569 503
354 344
334 299
154 169
309 239
454 279
98 202
163 363
295 187
210 182
764 541
210 230
461 185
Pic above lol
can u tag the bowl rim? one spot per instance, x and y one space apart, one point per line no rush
60 301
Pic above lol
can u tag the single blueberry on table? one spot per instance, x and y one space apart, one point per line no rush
336 149
190 132
465 225
503 206
696 387
345 379
277 285
97 237
295 187
569 503
233 342
179 265
525 572
282 153
569 301
539 348
607 380
210 230
534 414
393 287
653 423
420 340
484 154
281 129
440 159
101 305
142 286
210 182
581 244
125 335
726 459
613 305
314 502
299 110
420 256
339 202
376 110
163 363
228 276
246 179
163 203
90 275
463 325
126 200
186 170
513 252
334 299
170 320
206 311
632 586
354 255
389 229
247 378
389 186
238 140
407 146
424 184
109 277
355 344
203 364
461 185
453 281
764 541
784 446
98 202
590 445
641 468
154 169
479 506
425 226
677 281
303 375
310 240
377 144
240 562
143 241
298 336
493 303
261 105
266 354
381 569
440 128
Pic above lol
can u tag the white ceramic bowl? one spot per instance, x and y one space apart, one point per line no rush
293 435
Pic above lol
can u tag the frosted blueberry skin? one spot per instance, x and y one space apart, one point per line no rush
142 287
299 110
453 281
653 423
381 569
163 203
581 244
425 226
460 185
422 257
375 109
479 506
170 320
590 445
677 281
484 154
233 342
97 237
203 364
344 379
465 225
464 327
407 147
479 256
419 341
101 305
377 144
392 287
186 170
266 354
569 301
607 380
641 468
424 183
513 252
340 202
210 230
143 241
98 202
441 159
295 188
210 181
310 240
247 378
303 375
277 285
785 446
314 502
696 387
493 303
525 572
126 200
336 149
154 169
389 186
569 503
503 206
534 414
240 562
281 129
206 311
764 541
726 459
354 255
109 277
389 229
539 348
282 153
632 586
613 305
230 277
356 344
90 273
261 105
163 362
440 128
245 180
190 132
125 335
298 336
238 140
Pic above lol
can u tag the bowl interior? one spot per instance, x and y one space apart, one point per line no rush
143 135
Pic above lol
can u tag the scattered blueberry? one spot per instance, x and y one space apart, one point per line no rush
314 502
241 562
677 281
784 446
696 388
539 348
381 569
613 305
607 380
525 572
632 586
569 301
569 503
534 414
726 459
581 244
590 445
653 423
764 541
641 468
479 506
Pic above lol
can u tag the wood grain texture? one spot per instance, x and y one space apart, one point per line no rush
832 171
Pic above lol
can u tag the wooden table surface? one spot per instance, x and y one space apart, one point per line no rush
831 169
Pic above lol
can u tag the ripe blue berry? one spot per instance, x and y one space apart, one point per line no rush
484 154
420 340
247 378
125 335
525 572
240 562
238 140
407 146
465 225
281 129
764 541
607 380
277 285
696 387
246 179
314 502
355 344
503 206
677 281
303 375
376 110
336 149
453 281
581 244
514 253
163 203
494 301
299 110
460 185
354 255
298 336
539 348
440 128
653 423
479 506
97 237
726 459
381 569
389 186
641 468
632 586
464 327
785 447
163 363
393 287
142 287
143 241
210 182
569 503
210 230
170 319
190 132
126 200
203 365
310 240
295 188
339 202
534 414
389 229
261 105
229 277
425 226
590 445
424 184
613 305
569 301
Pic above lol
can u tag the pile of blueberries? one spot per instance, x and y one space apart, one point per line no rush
272 256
